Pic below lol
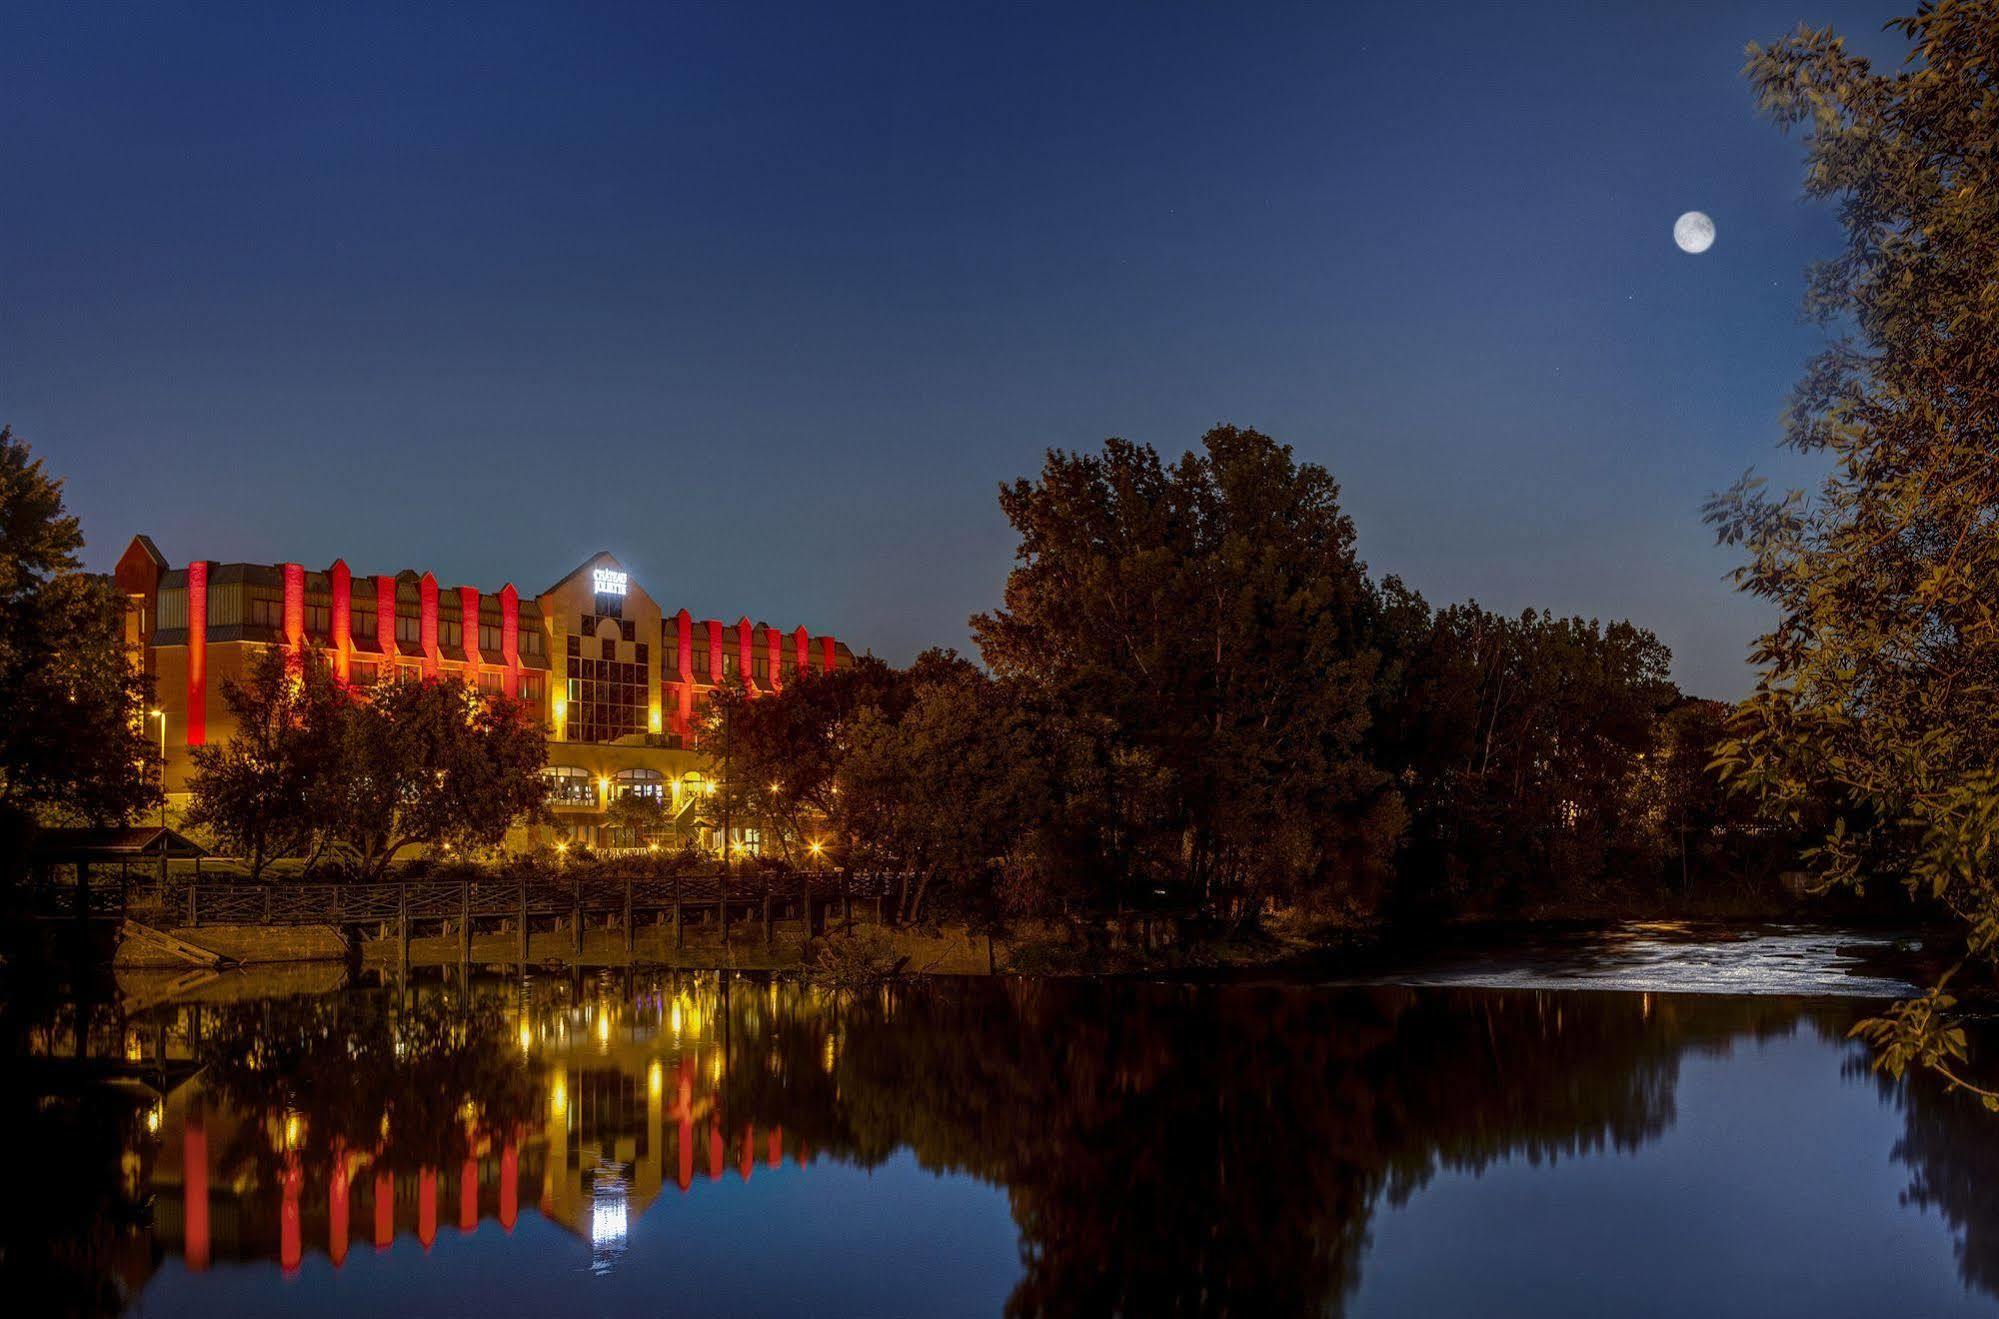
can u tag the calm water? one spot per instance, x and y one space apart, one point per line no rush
688 1144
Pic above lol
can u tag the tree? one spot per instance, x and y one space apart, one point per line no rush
1201 624
73 742
255 790
431 762
1876 685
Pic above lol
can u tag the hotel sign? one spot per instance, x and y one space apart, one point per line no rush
608 581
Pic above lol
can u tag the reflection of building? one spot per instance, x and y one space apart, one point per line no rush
626 1101
619 684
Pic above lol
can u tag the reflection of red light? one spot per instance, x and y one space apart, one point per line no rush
776 1154
685 1176
748 1158
468 1195
510 1186
426 1206
385 1210
714 1151
289 1246
194 1180
336 1209
802 1156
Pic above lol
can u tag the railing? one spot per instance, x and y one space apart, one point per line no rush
293 903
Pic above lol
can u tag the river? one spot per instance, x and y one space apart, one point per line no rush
1656 1120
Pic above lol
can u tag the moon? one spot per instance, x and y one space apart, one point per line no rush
1694 232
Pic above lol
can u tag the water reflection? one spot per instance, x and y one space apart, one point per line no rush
1164 1149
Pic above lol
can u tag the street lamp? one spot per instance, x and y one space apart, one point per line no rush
161 715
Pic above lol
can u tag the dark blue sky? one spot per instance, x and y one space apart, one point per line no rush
767 300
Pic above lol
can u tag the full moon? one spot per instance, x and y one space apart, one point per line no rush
1694 232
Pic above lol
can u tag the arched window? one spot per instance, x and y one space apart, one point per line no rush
569 786
639 783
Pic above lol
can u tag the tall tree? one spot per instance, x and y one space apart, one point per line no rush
254 790
431 762
72 701
1877 684
1202 623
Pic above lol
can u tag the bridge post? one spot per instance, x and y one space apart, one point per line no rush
629 948
524 925
676 914
193 912
465 922
403 929
805 903
267 902
725 907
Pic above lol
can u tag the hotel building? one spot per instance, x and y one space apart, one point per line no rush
618 683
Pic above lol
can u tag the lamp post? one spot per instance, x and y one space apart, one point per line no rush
161 715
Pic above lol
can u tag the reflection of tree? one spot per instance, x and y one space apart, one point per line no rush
1947 1143
1178 1151
360 1072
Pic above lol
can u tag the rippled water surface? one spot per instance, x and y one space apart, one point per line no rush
1536 1144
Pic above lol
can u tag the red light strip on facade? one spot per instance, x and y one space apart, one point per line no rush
342 583
510 636
828 653
715 652
801 651
774 656
197 653
746 666
427 625
385 615
468 609
295 608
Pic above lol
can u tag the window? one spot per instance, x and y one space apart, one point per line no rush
318 620
450 634
409 631
643 652
701 661
360 674
575 644
639 783
629 629
361 621
570 786
267 613
610 648
531 688
728 664
762 666
608 699
489 638
492 681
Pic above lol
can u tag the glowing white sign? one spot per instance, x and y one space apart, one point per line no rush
608 581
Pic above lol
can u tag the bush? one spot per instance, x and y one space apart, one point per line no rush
849 961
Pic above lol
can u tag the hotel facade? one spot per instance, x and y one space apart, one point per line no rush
618 683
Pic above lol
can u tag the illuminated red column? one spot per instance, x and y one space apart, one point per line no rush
197 653
385 1210
829 653
426 1206
194 1190
385 614
715 652
683 689
468 1195
801 651
468 611
746 666
774 656
337 1208
427 623
510 636
342 584
290 1248
510 1186
295 608
775 1154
